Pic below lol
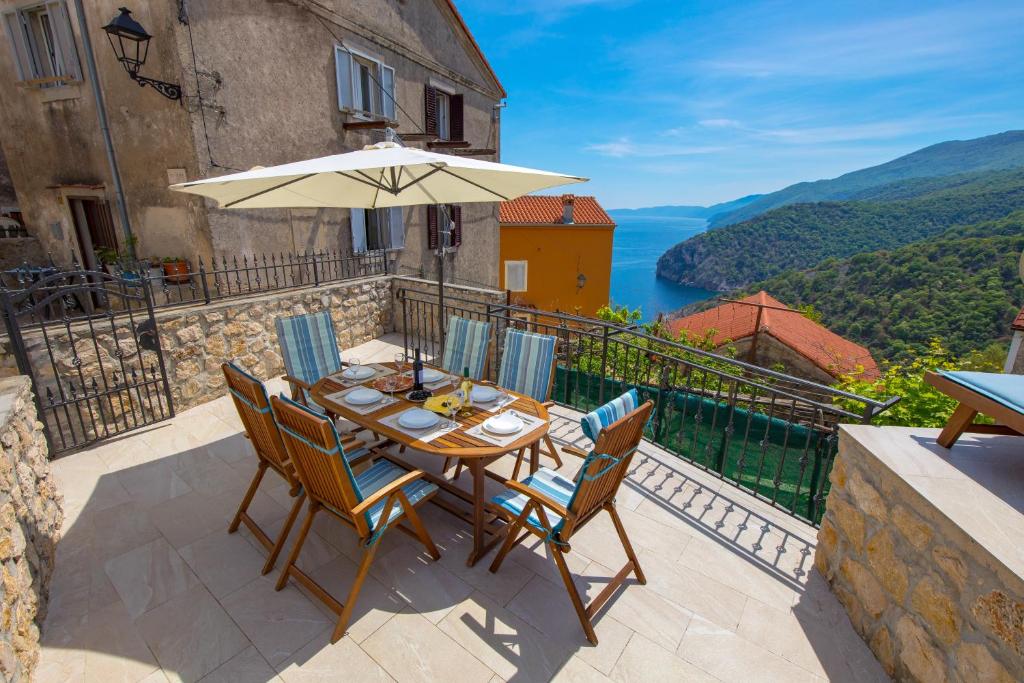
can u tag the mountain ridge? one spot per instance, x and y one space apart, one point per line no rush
991 152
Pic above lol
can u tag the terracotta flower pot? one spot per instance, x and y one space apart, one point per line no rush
176 271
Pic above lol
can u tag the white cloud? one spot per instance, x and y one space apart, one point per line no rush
625 147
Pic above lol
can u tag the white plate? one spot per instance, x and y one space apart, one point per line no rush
504 424
430 375
418 418
363 396
485 394
358 372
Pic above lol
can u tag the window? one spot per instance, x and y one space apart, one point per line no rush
443 114
454 233
515 276
377 229
365 84
44 48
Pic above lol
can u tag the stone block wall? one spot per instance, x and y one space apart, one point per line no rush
929 601
30 522
197 340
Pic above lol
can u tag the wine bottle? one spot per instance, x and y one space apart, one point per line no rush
467 390
417 372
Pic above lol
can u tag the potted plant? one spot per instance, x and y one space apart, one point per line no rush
108 259
175 269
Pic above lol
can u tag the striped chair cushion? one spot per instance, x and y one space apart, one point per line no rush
616 409
526 363
309 346
465 345
546 481
380 475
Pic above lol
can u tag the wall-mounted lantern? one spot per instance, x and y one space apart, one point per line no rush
581 280
131 46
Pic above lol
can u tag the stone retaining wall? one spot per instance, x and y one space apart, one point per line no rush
30 522
929 601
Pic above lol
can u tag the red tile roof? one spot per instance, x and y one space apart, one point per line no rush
1018 322
826 349
547 210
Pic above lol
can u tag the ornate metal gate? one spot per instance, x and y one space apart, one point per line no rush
89 341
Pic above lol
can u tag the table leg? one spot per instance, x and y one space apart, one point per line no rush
476 468
534 457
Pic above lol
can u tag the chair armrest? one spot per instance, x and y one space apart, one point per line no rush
296 381
573 450
537 496
382 493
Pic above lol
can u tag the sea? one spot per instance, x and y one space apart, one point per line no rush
639 241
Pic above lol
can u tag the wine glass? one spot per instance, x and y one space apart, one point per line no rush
453 410
353 366
400 359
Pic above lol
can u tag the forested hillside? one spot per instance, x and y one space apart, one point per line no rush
803 235
993 152
962 288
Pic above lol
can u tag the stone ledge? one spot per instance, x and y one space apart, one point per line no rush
921 545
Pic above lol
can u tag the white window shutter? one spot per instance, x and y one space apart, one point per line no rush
396 223
515 276
65 39
343 72
358 230
387 82
16 37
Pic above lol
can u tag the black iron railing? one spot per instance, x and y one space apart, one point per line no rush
769 433
11 231
184 285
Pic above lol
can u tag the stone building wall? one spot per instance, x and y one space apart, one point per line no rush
30 522
929 601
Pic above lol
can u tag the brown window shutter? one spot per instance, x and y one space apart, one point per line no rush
458 130
432 227
429 110
456 212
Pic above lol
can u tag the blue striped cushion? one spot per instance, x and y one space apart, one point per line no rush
309 346
465 345
526 363
616 409
546 481
380 475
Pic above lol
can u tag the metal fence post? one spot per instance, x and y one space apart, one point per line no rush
202 278
316 273
604 365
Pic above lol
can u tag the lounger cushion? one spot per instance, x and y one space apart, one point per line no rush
380 475
616 409
1005 389
546 481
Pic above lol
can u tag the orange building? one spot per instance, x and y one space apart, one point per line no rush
556 253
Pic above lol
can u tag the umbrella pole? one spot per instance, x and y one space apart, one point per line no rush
442 238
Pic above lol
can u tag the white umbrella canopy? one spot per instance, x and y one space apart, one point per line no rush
378 176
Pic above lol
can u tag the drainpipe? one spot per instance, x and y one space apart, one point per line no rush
108 143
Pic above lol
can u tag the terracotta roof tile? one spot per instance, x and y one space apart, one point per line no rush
547 210
826 349
1018 322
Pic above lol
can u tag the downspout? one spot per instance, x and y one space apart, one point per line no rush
108 143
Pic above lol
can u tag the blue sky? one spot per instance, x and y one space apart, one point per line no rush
691 102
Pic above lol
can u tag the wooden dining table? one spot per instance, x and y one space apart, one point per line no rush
474 453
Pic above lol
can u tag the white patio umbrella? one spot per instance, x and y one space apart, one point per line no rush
382 175
378 176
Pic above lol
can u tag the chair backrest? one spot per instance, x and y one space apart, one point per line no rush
606 466
253 406
309 346
465 345
528 364
593 422
316 451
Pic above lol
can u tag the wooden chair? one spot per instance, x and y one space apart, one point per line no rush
553 507
1000 396
528 367
309 348
371 502
466 345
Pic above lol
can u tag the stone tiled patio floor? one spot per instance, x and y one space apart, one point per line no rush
149 585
